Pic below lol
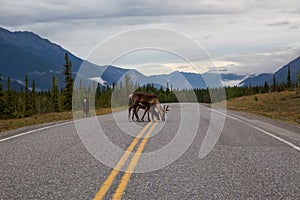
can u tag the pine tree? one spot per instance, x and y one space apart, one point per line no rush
289 82
167 87
33 98
266 88
27 98
298 79
274 84
8 98
97 96
1 88
8 85
2 106
68 90
80 86
55 95
128 86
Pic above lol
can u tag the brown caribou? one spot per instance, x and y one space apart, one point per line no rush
148 101
144 107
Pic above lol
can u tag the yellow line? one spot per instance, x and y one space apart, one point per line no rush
126 177
109 180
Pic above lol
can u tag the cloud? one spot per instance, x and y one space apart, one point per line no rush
294 27
182 67
236 34
207 37
35 11
98 80
281 23
264 62
29 11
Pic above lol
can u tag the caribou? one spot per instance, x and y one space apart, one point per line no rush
144 107
149 102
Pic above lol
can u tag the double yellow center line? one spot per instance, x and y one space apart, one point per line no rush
126 177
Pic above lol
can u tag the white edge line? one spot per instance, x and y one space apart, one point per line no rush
266 132
35 130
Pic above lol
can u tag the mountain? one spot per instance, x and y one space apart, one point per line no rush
187 80
176 79
256 80
26 53
280 75
114 74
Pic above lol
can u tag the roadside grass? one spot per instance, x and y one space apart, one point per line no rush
284 106
10 124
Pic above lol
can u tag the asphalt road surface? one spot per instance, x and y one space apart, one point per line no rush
253 158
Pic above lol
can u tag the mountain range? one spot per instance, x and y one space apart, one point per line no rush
26 53
280 75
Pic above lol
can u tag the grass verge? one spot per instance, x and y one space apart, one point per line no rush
10 124
284 106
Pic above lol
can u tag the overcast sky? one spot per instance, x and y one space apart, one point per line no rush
240 36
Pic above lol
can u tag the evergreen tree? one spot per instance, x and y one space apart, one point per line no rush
27 97
2 106
128 86
33 98
266 88
298 80
97 96
9 101
8 85
68 90
55 95
80 86
274 84
8 110
1 88
167 87
289 82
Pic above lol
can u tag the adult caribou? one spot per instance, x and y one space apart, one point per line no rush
144 107
149 102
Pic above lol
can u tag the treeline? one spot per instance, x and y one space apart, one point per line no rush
28 101
275 86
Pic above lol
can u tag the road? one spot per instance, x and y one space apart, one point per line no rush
254 158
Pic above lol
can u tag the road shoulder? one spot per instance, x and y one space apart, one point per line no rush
18 131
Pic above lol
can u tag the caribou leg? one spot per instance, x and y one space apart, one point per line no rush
135 112
133 106
146 110
149 116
